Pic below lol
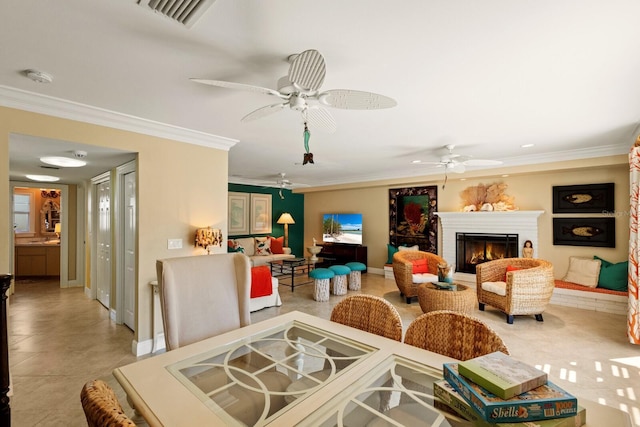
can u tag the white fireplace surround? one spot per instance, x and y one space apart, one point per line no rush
522 223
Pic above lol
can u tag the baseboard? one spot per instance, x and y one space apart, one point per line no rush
378 271
141 348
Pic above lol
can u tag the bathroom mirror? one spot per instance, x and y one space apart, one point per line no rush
49 216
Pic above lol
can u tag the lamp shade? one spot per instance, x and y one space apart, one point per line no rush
206 237
286 218
58 228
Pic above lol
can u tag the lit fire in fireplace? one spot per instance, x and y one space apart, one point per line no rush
478 255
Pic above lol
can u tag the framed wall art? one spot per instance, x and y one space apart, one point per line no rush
260 213
412 219
238 214
588 198
585 232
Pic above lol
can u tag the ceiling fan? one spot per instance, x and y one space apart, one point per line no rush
300 91
283 183
457 163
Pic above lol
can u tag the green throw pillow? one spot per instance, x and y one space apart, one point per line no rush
390 251
613 276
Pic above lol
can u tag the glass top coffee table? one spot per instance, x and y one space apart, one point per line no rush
292 268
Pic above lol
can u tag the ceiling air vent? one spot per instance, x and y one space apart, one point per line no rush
186 12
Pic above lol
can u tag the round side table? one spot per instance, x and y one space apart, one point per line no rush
463 299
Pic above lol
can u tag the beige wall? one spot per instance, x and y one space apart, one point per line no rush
192 177
532 190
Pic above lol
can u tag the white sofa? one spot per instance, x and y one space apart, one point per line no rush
272 300
249 245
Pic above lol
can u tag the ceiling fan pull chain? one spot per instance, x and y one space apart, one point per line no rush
308 157
307 135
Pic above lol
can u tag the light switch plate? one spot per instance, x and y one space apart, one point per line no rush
174 244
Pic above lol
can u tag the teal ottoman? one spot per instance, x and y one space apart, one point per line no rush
340 279
322 277
354 276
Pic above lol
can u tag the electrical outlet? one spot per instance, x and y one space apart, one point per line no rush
174 244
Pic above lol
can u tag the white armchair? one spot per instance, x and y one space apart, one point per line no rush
203 296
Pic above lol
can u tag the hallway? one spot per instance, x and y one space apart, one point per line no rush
58 340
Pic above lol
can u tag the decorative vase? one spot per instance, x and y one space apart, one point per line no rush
445 273
314 251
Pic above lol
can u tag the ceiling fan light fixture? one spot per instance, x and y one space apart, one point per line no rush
64 162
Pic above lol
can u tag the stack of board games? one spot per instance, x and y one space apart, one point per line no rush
447 399
501 389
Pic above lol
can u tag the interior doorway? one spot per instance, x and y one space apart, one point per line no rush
40 264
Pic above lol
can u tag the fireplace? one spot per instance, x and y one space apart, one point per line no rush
522 223
475 248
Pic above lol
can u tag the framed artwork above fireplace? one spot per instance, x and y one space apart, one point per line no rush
412 219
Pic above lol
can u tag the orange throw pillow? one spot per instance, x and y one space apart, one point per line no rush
277 244
420 266
510 268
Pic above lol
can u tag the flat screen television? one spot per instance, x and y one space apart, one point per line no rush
342 228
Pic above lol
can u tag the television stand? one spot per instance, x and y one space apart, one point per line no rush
342 253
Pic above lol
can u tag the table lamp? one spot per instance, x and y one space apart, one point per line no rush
58 229
206 237
286 219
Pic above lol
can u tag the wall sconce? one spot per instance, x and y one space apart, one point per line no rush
286 219
58 229
206 237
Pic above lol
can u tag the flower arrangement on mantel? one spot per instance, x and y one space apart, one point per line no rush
487 198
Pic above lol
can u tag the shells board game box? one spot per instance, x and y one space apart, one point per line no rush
541 403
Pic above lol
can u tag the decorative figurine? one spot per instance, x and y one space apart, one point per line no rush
527 250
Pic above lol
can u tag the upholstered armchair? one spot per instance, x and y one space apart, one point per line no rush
515 286
404 275
203 296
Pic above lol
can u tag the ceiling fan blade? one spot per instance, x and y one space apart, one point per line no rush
456 167
263 111
355 100
438 164
241 86
482 162
320 118
308 70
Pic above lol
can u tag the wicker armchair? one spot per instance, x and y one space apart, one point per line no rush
528 291
403 270
369 313
453 334
101 406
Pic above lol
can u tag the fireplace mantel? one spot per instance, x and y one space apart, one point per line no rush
523 223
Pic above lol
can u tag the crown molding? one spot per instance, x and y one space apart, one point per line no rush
57 107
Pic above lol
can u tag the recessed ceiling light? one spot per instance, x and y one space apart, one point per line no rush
43 178
64 162
416 161
527 145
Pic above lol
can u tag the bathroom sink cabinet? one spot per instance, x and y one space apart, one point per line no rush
37 260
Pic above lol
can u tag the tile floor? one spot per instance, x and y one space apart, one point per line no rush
59 339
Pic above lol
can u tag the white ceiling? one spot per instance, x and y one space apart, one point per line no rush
487 76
